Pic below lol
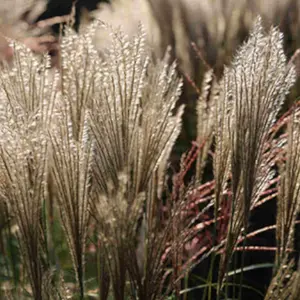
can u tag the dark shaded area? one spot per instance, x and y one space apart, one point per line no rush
60 8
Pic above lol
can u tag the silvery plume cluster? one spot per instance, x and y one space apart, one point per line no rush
94 138
90 137
239 115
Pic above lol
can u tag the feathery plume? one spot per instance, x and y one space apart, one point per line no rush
27 99
288 202
258 81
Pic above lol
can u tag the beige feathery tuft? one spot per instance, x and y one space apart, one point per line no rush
258 81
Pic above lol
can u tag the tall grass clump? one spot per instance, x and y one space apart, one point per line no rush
255 88
94 207
27 95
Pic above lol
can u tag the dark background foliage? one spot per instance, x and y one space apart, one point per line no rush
60 8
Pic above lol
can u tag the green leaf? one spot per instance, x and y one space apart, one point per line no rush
214 285
250 268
